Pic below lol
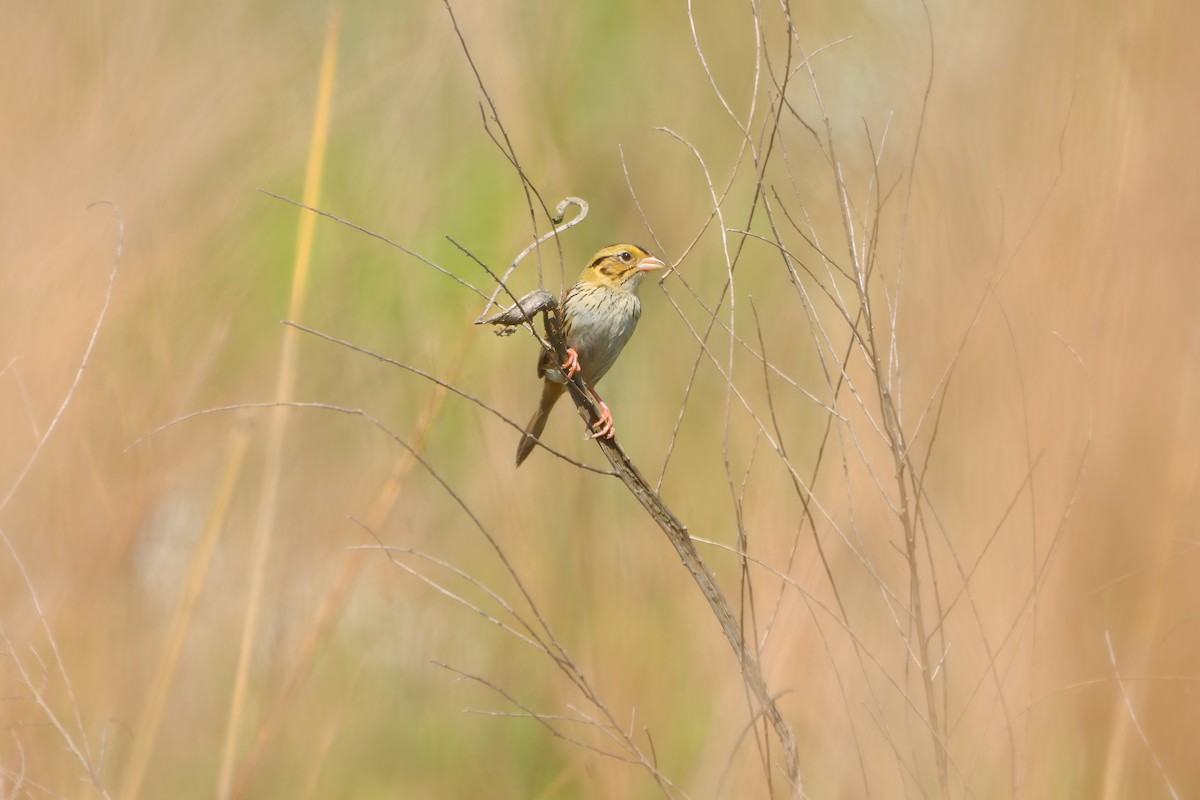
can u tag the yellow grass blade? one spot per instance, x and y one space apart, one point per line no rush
283 392
164 677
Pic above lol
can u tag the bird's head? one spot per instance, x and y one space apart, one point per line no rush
621 266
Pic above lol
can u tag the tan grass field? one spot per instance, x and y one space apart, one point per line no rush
203 610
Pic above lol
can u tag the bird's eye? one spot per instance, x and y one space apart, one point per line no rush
625 256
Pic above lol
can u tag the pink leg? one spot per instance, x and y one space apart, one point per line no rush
572 365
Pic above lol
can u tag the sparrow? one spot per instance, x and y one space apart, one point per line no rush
598 316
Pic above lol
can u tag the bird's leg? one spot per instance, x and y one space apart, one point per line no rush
572 363
603 427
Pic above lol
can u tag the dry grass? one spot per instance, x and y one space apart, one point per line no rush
1042 250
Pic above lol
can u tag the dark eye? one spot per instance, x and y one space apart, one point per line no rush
625 256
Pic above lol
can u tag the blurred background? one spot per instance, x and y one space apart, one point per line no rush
1042 247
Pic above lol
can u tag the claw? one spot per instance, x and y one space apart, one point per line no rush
572 363
603 428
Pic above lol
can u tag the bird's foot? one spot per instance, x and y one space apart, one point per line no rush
603 428
572 363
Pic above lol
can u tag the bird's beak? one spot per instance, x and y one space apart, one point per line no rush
649 264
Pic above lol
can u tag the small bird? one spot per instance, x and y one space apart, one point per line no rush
598 316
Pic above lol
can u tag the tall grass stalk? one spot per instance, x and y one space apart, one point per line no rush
278 417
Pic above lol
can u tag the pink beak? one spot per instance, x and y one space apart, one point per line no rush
649 264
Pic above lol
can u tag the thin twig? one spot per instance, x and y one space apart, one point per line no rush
83 362
1137 726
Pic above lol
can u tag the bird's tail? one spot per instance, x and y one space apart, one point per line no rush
550 393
